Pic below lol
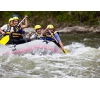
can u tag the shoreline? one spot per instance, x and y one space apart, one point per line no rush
73 29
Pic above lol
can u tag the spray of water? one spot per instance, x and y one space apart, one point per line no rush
82 61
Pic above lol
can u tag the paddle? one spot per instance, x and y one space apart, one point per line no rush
6 38
65 51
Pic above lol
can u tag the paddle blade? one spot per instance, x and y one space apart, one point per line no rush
4 40
65 51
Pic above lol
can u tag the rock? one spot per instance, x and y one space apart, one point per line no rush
74 29
91 29
27 30
77 29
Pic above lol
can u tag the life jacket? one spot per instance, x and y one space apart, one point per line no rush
40 37
17 32
50 37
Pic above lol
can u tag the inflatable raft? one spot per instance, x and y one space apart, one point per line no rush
34 47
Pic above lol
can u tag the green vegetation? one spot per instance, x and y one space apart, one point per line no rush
58 18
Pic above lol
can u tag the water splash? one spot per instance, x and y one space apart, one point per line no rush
82 61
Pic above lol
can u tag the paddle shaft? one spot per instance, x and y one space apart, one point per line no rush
53 36
21 21
56 40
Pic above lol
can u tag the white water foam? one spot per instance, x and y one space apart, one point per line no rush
82 61
3 49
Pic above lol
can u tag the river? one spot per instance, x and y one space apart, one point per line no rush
83 61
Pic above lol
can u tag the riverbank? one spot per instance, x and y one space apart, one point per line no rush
73 29
80 29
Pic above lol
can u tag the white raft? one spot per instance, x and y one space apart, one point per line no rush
34 47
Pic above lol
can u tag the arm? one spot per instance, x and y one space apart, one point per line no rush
31 37
11 30
61 45
4 27
44 31
30 34
59 41
2 31
26 24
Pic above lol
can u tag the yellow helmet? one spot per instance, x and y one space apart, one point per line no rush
37 27
15 18
50 26
11 19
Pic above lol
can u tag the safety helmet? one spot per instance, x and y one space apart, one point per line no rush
15 15
15 18
11 19
50 26
37 27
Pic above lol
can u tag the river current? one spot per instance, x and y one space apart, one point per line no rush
83 60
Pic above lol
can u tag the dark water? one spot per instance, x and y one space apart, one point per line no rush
82 61
88 39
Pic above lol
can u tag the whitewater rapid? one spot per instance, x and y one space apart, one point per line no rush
82 62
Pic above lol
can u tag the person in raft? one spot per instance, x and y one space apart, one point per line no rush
22 32
52 35
6 29
17 34
37 34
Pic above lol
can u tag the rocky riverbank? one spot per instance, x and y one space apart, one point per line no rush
80 29
73 29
